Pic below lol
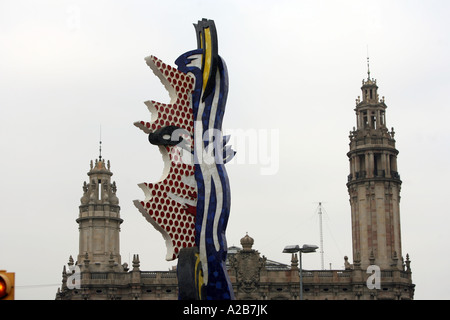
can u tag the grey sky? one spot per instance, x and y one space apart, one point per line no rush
295 68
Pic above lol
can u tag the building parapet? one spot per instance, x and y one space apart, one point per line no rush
158 274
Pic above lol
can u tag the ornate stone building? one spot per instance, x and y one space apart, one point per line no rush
374 189
257 278
98 273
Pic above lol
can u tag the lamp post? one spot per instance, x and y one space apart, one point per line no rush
307 248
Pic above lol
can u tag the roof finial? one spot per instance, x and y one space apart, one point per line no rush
100 146
368 68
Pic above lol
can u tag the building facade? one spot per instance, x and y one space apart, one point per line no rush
378 271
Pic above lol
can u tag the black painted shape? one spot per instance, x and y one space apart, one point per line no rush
189 276
163 136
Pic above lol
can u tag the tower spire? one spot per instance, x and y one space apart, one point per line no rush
99 219
100 145
374 177
368 68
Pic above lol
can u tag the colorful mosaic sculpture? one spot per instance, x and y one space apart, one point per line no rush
190 205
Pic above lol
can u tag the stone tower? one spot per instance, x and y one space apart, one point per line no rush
374 184
99 221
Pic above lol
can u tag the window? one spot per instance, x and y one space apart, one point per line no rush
373 120
365 120
378 169
362 162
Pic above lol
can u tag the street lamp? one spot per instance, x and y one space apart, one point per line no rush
307 248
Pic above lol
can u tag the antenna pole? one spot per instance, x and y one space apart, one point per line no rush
321 235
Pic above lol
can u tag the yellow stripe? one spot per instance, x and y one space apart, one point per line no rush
207 56
198 277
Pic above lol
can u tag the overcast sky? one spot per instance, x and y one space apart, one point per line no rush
68 68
